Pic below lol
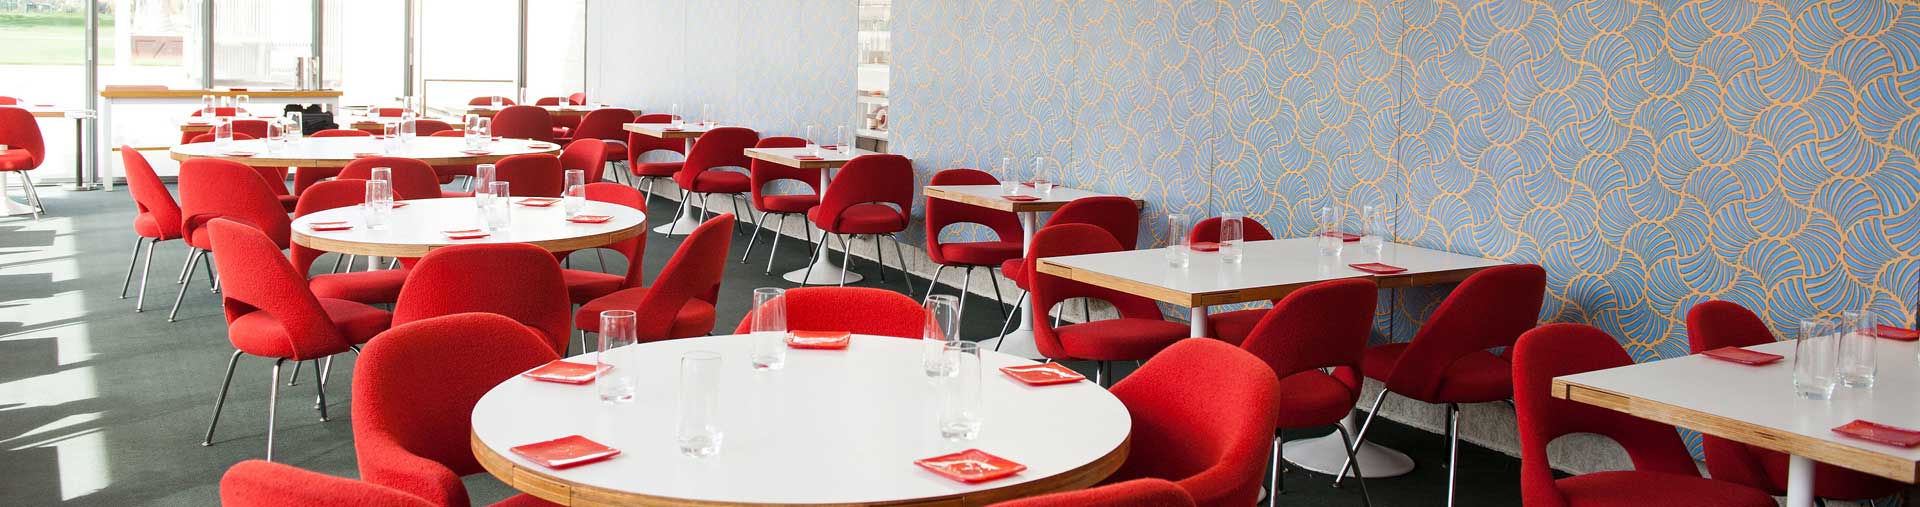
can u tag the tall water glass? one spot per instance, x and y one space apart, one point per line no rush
943 326
408 126
1372 232
1042 182
222 133
1327 230
275 135
390 138
485 125
618 361
471 133
499 210
843 140
698 432
1179 247
1813 360
296 125
381 174
1009 184
960 392
226 101
575 198
496 102
483 185
240 103
813 146
1859 364
379 203
677 120
769 328
206 107
706 116
1232 236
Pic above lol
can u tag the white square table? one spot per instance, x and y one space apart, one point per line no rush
823 271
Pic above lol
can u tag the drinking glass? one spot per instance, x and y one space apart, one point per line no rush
408 127
207 107
240 103
379 203
943 325
226 101
295 125
575 197
618 361
813 147
1813 360
677 121
1009 184
769 328
1042 184
275 134
699 429
1327 230
483 185
960 392
706 115
472 135
485 126
499 210
222 133
1372 232
381 174
1858 362
1232 235
843 140
496 101
1179 247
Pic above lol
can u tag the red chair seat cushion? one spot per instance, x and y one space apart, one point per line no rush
1313 398
15 160
1016 270
1478 377
1119 339
145 226
659 169
261 334
721 182
1233 327
369 287
868 218
585 286
694 319
288 201
980 253
616 152
795 203
1646 489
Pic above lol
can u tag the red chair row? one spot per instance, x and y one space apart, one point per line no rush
26 149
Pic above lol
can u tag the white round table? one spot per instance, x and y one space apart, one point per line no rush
419 227
339 151
840 427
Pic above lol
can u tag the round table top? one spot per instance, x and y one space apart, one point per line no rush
840 427
339 151
419 227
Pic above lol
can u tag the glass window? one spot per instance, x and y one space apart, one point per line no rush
257 42
365 57
556 48
467 49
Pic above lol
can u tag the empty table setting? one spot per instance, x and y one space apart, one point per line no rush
340 151
826 159
413 228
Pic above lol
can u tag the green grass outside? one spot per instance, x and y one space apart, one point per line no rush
53 39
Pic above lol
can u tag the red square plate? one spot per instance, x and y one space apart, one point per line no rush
538 202
672 129
1044 374
477 152
330 226
365 155
1377 268
831 147
466 234
1020 198
543 146
1204 246
809 158
971 466
1742 356
1880 433
819 339
590 219
1345 237
399 204
565 372
1895 333
565 452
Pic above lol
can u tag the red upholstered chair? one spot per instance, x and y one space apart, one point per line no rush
857 310
229 113
531 175
871 196
414 395
448 172
638 145
274 177
1232 326
562 125
578 98
1663 473
1320 327
523 122
412 179
304 177
426 127
585 286
1134 493
1119 216
1210 437
214 188
8 101
271 314
389 112
1139 333
760 174
342 133
380 286
256 483
158 218
943 213
607 124
251 127
680 302
516 280
589 155
1716 324
26 149
1449 361
488 100
701 174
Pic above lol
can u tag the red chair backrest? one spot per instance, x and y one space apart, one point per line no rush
578 98
1324 325
390 112
1564 349
342 133
214 188
1134 493
588 155
523 122
531 175
1118 215
150 195
1250 230
8 101
879 178
638 144
255 128
762 172
942 213
548 101
1048 290
431 127
259 483
857 310
517 280
604 124
1715 324
412 179
1211 437
693 272
721 147
220 112
323 196
1490 309
255 277
633 249
414 389
488 101
207 137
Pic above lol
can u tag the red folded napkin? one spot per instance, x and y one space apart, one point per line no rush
1879 433
1896 333
476 152
543 146
672 129
1020 198
1044 374
466 234
1377 268
832 340
971 466
538 202
330 226
1344 237
399 204
590 219
1204 246
565 372
831 147
565 452
365 155
808 158
1742 356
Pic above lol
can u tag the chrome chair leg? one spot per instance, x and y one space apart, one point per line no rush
902 257
1361 438
193 257
880 260
818 250
1453 448
777 233
996 295
846 258
675 222
131 261
1274 468
1009 321
146 268
213 278
181 279
1354 465
965 283
933 283
320 390
752 240
221 401
294 379
273 404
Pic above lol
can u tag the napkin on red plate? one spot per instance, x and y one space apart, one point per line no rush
565 372
831 147
971 466
1896 333
1344 236
1204 246
832 340
1020 198
399 204
330 226
1742 356
466 234
240 153
1880 433
590 219
1043 374
476 152
565 452
809 158
1377 268
538 202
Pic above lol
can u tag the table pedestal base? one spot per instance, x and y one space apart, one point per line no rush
681 226
1326 454
824 273
1018 343
8 206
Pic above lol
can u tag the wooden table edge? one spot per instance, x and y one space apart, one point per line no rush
539 483
598 240
258 161
1740 431
756 154
1001 204
1226 297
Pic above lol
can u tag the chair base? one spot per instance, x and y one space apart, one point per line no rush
10 207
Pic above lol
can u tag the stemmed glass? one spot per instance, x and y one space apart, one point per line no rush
769 328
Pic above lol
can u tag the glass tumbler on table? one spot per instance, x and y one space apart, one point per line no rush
276 133
381 174
575 198
496 101
379 203
1179 244
1042 182
698 431
676 120
207 107
499 208
1858 363
960 392
617 360
1814 351
1010 185
295 125
813 146
1232 236
240 103
1327 230
943 326
769 328
483 185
